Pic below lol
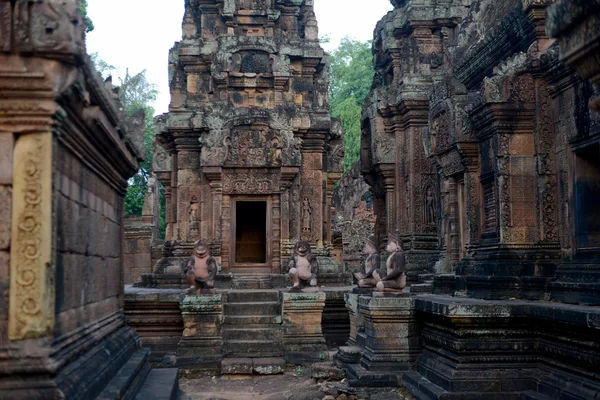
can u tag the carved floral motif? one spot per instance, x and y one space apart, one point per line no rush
31 306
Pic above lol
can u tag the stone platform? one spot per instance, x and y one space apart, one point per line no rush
508 349
238 331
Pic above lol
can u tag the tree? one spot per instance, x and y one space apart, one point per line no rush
136 93
350 81
89 25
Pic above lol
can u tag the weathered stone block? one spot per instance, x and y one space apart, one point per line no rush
236 366
201 342
303 334
327 371
268 366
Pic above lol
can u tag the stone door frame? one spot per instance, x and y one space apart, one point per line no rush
247 268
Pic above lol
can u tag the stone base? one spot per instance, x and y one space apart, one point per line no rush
537 347
249 366
303 339
327 371
94 361
358 376
201 342
156 317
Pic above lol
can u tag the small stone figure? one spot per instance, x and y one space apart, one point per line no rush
201 269
303 267
395 280
366 279
306 216
430 206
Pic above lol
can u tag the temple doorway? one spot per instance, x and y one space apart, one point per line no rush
587 198
251 235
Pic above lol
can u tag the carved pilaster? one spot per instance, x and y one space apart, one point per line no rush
32 281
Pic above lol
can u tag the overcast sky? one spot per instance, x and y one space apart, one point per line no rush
137 34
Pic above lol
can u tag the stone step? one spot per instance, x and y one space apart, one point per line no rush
245 320
246 333
161 384
253 348
249 296
532 395
423 278
254 308
262 282
247 366
421 387
129 378
421 288
349 354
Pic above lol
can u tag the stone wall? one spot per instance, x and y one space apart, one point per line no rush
88 258
137 253
353 217
66 153
480 143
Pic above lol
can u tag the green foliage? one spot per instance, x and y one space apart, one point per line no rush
135 93
105 69
350 81
89 25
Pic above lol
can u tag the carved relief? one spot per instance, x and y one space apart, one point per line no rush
429 215
249 183
306 216
31 305
441 130
193 219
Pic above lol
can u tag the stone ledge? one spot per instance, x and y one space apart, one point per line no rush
476 308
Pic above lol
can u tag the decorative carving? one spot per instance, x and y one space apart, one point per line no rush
194 220
31 291
240 183
306 216
429 215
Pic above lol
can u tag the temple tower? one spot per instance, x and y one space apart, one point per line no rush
248 152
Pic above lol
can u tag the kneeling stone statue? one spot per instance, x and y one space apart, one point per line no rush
303 267
201 269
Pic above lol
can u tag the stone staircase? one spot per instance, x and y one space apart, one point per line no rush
252 332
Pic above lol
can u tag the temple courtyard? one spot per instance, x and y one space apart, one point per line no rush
457 258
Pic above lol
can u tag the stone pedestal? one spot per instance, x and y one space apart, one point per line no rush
202 340
357 327
391 340
303 339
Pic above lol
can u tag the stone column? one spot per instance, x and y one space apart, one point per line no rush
274 242
189 195
302 330
201 342
174 204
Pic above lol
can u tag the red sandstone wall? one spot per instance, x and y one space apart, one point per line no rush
6 147
137 256
88 250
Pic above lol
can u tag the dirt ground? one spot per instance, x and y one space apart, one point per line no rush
294 384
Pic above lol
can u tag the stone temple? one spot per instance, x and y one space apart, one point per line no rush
248 152
479 168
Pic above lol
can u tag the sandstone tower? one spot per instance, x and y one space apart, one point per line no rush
248 152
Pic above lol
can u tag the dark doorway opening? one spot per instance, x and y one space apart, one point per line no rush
587 198
251 232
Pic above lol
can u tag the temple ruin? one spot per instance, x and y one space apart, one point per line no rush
478 172
248 151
